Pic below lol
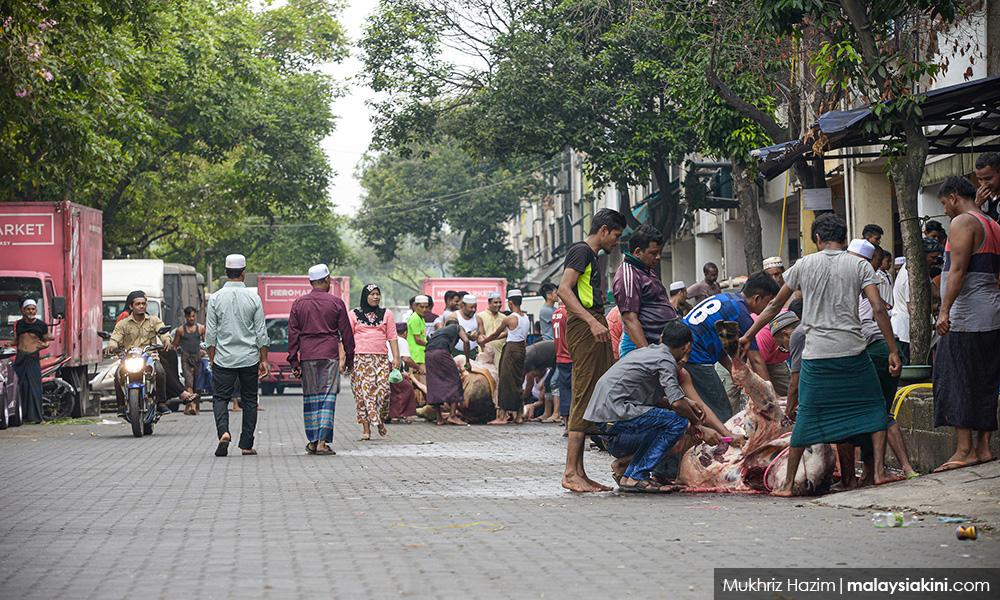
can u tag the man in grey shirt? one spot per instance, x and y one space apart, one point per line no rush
237 348
550 292
636 399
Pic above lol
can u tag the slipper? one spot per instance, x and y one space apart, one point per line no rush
328 451
955 464
983 462
643 487
249 452
913 475
617 478
223 448
311 448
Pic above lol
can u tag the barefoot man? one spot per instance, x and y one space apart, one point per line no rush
587 336
840 400
967 367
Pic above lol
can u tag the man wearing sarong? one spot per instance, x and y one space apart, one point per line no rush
878 351
31 335
840 400
237 348
967 365
587 336
488 321
707 349
444 382
466 318
639 293
317 325
642 409
516 326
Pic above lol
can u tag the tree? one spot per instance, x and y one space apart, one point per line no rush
882 51
424 191
180 120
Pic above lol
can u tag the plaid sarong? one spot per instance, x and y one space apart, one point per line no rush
320 384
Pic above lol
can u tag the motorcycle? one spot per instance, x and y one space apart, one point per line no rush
140 384
58 395
10 404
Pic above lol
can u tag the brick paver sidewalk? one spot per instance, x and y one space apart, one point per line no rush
430 512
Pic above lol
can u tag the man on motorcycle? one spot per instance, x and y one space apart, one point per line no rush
139 330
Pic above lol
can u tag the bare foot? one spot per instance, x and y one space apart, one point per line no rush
499 422
580 485
783 493
552 419
600 486
886 478
456 421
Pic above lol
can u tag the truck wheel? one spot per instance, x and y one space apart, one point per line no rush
135 412
267 389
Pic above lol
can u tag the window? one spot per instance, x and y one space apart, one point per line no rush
277 333
13 291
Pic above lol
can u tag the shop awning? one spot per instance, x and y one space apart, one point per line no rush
964 112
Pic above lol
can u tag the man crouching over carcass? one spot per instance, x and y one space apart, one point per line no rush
642 410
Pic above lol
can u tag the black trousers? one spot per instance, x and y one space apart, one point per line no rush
161 386
223 381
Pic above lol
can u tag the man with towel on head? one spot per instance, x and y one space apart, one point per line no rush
317 324
775 268
237 348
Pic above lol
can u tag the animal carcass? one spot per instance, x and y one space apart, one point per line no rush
760 465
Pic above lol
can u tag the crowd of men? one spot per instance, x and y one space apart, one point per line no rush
650 377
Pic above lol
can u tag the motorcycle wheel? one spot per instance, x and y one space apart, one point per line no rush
58 397
15 419
135 411
147 428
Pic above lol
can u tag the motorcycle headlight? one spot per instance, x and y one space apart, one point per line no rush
135 364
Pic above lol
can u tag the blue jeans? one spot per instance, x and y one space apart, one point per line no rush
564 381
647 438
625 345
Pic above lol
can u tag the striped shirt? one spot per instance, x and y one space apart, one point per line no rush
638 290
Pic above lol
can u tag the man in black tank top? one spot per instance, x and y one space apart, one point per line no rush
188 338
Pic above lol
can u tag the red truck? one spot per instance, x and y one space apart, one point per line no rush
435 287
277 293
51 252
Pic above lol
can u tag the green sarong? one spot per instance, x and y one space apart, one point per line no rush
878 351
838 399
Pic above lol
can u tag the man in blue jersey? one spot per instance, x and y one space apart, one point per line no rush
707 348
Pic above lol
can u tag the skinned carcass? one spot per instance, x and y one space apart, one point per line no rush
760 465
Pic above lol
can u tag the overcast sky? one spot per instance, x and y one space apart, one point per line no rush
353 134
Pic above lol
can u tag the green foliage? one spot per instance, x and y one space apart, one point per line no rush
426 191
183 121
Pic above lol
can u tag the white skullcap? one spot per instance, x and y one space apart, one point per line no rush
774 262
236 261
514 293
317 272
862 247
421 299
677 286
29 302
493 295
470 299
900 261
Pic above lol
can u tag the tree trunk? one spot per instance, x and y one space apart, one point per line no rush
906 171
745 190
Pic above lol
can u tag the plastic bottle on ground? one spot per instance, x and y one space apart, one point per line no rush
894 519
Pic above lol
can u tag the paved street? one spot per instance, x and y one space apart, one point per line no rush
430 512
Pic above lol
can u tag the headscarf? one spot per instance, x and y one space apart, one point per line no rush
366 313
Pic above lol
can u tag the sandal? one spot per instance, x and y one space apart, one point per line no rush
382 431
951 465
249 452
311 447
223 448
328 451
